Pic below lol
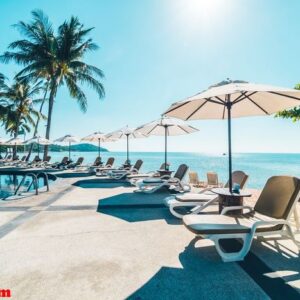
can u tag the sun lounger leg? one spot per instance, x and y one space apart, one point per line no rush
296 217
233 256
292 236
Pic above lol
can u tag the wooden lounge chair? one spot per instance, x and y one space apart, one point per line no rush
151 185
123 173
135 177
269 216
194 179
199 201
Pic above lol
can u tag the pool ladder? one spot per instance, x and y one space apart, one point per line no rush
34 182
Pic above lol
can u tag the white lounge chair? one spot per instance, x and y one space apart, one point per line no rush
199 201
121 174
151 185
136 177
269 216
100 171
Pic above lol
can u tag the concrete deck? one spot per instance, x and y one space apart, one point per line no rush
105 242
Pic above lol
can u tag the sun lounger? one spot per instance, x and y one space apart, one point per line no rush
100 171
64 162
97 162
199 201
121 174
7 158
76 164
135 177
151 185
269 216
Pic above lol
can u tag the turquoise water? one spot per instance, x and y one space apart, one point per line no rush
8 185
260 166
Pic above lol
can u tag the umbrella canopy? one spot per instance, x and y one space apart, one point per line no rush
127 133
97 137
68 139
14 142
39 141
234 99
166 126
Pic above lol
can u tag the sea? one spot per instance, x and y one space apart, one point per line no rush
259 166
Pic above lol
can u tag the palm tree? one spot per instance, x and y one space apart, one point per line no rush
19 100
58 59
2 102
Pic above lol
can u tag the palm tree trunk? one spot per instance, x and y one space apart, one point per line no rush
50 110
36 127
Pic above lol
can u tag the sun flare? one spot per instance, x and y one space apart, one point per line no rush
199 13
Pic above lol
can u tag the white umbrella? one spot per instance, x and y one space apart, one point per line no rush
14 142
233 99
68 139
39 141
97 137
166 126
125 132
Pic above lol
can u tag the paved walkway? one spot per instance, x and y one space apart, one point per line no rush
105 242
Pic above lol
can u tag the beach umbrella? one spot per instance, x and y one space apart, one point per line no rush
127 133
166 126
233 99
39 141
14 142
97 137
68 139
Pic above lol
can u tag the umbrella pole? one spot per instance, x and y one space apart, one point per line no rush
69 151
166 146
127 137
99 149
229 143
38 148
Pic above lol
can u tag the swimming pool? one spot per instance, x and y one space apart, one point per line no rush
10 183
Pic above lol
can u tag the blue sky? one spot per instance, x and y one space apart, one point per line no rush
155 52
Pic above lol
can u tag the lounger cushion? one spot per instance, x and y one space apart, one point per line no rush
277 197
224 224
141 175
153 180
195 197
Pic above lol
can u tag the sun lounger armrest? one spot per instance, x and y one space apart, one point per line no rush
205 190
271 222
230 208
165 177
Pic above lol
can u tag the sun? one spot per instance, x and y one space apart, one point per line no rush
199 13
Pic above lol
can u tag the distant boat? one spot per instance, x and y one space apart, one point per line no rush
224 154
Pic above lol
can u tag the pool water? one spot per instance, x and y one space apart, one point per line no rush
9 183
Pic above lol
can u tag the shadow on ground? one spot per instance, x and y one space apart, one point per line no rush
204 276
101 183
137 207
